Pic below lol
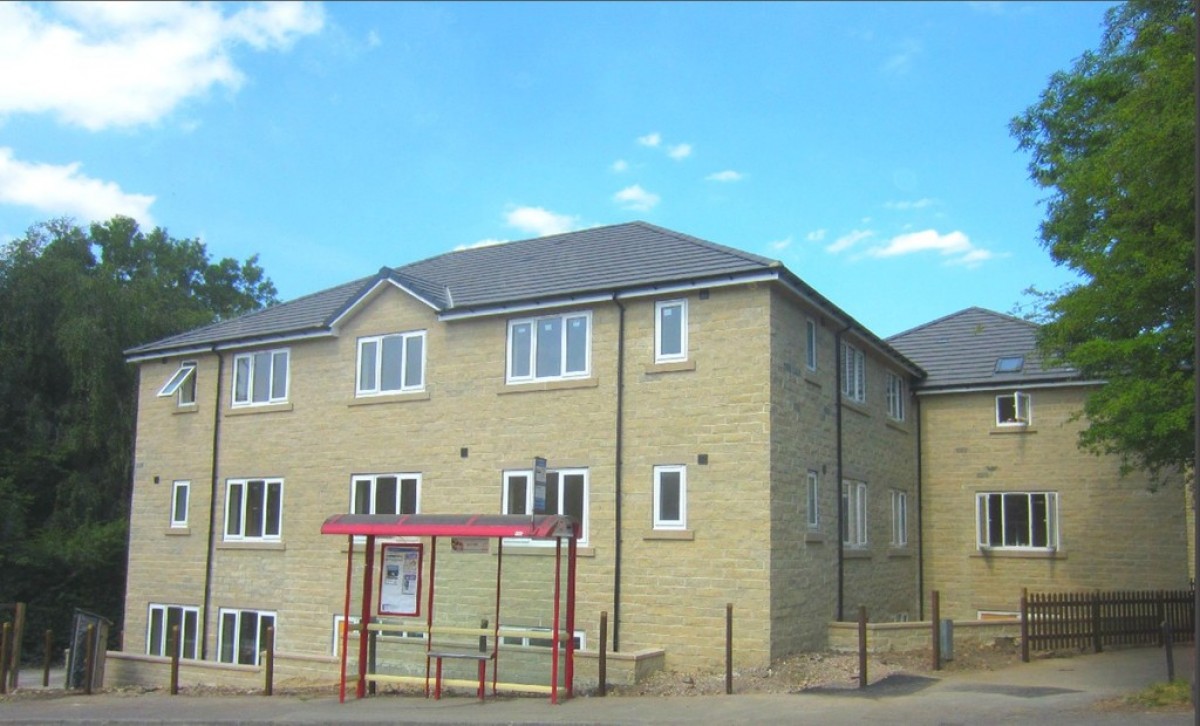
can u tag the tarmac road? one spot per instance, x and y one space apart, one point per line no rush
1078 690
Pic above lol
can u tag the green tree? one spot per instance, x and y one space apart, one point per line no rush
71 301
1112 139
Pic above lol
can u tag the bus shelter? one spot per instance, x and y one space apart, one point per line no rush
557 528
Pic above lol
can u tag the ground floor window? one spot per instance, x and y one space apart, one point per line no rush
1017 520
243 635
533 641
162 618
899 518
385 494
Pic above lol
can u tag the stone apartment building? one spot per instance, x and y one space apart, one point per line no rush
1007 498
697 406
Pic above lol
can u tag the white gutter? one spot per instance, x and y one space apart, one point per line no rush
235 345
525 307
1011 385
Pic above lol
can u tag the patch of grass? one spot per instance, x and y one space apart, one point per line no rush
1163 695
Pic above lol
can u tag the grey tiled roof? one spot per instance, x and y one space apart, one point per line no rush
962 350
617 257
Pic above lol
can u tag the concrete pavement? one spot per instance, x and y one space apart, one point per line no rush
1076 690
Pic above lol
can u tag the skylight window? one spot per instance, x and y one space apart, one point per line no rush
1010 364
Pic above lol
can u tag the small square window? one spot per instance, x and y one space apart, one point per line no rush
814 500
182 384
1014 409
670 497
180 494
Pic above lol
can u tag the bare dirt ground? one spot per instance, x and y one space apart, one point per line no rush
822 669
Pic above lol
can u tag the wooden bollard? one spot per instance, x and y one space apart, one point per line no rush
269 688
5 636
89 657
174 646
936 611
729 648
47 656
603 665
862 646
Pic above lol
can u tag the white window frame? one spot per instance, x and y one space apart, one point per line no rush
179 519
983 508
531 361
662 308
245 395
810 344
181 384
542 643
376 364
510 478
813 499
239 613
680 522
373 480
1022 404
854 513
899 518
854 373
896 394
160 613
244 510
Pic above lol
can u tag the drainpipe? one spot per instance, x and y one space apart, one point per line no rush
920 526
616 625
212 510
841 503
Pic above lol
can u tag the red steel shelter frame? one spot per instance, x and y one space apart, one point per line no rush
498 526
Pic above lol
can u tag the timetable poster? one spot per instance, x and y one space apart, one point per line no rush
400 584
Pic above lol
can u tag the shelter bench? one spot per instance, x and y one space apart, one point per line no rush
438 655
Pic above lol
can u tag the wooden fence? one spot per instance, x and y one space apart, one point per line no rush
1092 620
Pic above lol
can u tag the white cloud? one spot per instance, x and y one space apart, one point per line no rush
373 39
956 246
620 165
902 60
906 205
635 197
62 190
539 221
106 64
847 241
679 152
816 235
652 139
729 175
782 244
487 242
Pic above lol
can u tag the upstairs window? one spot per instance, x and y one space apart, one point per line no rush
181 384
566 493
899 518
1014 409
670 331
385 494
1017 520
260 378
180 493
670 497
549 348
854 513
810 344
895 397
854 373
391 364
253 509
814 500
243 635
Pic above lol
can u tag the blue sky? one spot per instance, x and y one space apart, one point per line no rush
865 145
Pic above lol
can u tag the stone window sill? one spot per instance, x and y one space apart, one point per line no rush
265 408
387 398
1003 554
673 367
275 546
685 535
178 531
536 386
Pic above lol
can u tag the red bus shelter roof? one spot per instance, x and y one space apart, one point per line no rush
538 526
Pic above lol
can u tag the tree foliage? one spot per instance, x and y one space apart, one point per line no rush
71 301
1113 140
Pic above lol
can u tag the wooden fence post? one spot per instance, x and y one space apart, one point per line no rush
936 611
174 660
89 657
728 648
862 646
47 656
5 635
1096 621
269 687
1024 625
603 653
14 646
